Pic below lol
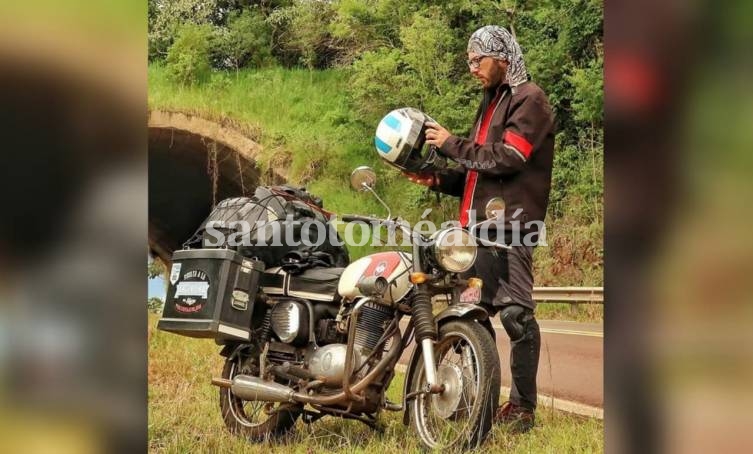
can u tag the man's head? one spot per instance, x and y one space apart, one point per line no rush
494 57
488 70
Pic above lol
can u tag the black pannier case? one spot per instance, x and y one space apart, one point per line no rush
211 294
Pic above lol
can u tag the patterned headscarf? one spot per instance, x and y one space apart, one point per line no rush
494 41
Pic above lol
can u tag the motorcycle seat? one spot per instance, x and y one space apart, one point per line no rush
315 284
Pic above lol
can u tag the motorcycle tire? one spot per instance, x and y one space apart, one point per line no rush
255 420
467 363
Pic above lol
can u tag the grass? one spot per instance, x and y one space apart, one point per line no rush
184 415
590 313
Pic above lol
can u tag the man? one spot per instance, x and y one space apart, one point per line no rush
509 155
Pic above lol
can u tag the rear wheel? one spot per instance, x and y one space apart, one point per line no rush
255 420
467 362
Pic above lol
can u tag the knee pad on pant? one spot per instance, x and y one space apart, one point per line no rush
514 320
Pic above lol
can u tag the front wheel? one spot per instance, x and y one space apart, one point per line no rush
467 362
253 419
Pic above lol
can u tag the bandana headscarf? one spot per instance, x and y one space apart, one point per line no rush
494 41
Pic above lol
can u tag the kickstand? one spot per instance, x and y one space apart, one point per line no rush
310 417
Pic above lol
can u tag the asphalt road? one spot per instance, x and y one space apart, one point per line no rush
571 366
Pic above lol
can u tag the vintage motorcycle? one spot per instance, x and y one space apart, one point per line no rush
311 348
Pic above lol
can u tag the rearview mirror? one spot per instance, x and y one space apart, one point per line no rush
363 178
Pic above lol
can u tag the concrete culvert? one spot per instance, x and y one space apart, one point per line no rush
193 164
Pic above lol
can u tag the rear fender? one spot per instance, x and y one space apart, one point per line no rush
229 351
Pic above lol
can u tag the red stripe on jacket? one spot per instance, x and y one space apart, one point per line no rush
471 176
519 142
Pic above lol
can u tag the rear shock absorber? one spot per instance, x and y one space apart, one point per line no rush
265 330
426 334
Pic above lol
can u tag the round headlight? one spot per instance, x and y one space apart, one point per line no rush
454 250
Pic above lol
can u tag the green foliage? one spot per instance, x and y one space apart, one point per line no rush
155 305
376 84
419 74
306 32
244 42
578 179
363 26
188 57
167 17
155 268
562 44
588 92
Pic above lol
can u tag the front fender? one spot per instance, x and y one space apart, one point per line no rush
462 310
454 311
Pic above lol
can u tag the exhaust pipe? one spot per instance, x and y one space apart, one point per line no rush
253 388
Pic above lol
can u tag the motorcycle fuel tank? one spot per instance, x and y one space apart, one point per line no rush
393 266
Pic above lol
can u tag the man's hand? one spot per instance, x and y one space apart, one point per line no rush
436 134
425 179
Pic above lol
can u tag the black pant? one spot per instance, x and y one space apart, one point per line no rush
508 287
524 363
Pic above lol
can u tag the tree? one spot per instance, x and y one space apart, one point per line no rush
188 57
155 268
155 304
244 42
166 17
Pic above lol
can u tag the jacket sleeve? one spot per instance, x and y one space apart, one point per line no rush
529 121
451 181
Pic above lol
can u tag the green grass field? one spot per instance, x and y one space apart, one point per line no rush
184 415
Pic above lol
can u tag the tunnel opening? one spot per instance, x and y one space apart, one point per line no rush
194 164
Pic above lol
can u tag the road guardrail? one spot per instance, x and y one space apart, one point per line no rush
572 295
587 295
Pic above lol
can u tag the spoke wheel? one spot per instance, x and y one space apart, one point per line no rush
253 419
460 417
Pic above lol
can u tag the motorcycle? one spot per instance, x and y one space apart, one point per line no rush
313 349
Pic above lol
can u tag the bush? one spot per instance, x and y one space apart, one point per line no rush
188 57
165 18
155 305
307 36
245 42
421 74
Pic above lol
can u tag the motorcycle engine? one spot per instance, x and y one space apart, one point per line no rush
329 361
290 320
371 324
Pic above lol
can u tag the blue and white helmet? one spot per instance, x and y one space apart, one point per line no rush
400 139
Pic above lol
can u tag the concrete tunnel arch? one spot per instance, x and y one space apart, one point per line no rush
184 152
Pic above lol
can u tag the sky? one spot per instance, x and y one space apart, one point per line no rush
156 288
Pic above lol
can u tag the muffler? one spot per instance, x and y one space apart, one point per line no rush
253 388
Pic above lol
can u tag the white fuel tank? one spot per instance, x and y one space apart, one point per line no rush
393 265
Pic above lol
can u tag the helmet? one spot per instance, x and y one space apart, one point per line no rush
400 139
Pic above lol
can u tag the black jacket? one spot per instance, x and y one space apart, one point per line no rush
515 162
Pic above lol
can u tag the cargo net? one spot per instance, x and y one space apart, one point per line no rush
265 220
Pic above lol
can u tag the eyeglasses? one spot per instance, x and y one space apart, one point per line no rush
475 62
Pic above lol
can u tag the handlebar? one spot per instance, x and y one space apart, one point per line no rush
358 217
369 219
408 230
